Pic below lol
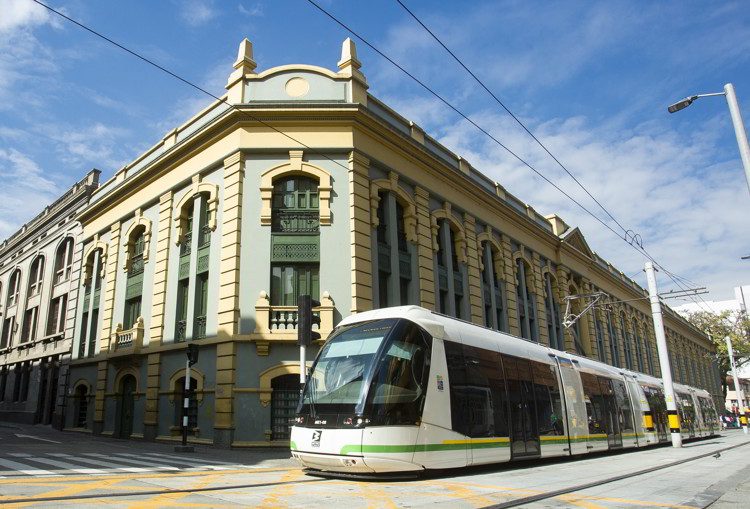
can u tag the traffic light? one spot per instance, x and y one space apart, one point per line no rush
306 319
192 354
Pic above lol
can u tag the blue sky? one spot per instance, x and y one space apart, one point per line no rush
591 79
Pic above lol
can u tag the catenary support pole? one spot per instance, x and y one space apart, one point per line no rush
661 346
739 129
302 368
186 404
741 404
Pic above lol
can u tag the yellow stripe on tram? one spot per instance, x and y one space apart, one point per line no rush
498 440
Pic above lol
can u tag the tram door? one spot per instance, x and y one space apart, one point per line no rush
524 432
612 417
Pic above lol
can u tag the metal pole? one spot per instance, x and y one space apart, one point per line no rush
186 403
737 387
661 347
302 368
739 129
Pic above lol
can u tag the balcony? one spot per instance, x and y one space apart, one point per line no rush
295 221
129 341
279 323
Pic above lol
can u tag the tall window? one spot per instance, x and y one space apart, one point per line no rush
295 241
134 287
56 317
649 360
613 350
36 276
627 343
493 291
194 267
283 405
638 351
450 273
30 317
14 288
395 255
526 301
8 329
599 337
554 319
92 286
64 261
81 406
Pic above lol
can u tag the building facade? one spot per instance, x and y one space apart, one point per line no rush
39 267
300 182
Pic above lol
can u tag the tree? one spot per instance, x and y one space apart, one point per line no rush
736 325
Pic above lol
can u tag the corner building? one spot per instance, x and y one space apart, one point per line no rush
38 296
302 182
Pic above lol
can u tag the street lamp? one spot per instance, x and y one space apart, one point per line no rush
734 111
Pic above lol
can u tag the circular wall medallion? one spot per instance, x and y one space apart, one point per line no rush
297 87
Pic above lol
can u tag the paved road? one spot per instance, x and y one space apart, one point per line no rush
40 467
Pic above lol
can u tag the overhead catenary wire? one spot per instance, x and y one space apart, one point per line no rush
302 144
629 237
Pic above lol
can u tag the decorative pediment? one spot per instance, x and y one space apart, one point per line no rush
573 237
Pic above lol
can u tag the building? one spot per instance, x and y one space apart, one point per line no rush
732 403
39 267
300 182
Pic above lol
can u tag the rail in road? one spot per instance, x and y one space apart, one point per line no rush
157 479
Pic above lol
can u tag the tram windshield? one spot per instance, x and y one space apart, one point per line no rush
369 373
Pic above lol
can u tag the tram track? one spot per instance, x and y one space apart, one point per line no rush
572 489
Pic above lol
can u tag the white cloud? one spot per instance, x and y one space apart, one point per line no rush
21 13
197 12
95 145
24 183
254 11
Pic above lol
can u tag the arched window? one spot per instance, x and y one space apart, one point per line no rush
179 403
283 405
493 289
614 351
81 406
36 276
64 260
14 288
554 318
599 336
627 341
638 349
89 331
649 359
526 301
295 241
395 256
134 287
450 274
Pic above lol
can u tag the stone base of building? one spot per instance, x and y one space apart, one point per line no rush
20 417
150 431
98 428
223 437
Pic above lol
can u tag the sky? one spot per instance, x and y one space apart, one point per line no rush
591 80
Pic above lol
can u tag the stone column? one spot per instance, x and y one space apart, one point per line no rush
476 309
161 264
224 398
113 251
360 227
511 290
229 277
425 250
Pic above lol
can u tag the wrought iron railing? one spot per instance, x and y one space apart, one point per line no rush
136 265
199 327
205 238
180 330
186 245
297 221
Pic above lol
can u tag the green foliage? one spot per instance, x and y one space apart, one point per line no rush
734 324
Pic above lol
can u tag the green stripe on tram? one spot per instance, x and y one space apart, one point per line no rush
365 449
292 446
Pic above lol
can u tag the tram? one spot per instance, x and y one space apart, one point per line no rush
406 389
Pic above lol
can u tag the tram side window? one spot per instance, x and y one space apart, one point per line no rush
548 399
457 377
485 393
624 409
687 412
523 415
596 407
657 405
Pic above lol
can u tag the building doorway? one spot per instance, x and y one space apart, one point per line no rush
127 403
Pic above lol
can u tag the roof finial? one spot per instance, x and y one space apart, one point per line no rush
245 61
349 60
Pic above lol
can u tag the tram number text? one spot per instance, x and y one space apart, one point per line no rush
315 442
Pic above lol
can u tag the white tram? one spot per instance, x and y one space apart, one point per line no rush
405 389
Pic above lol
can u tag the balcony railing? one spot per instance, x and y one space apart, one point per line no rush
280 322
205 238
129 340
186 245
295 221
136 265
180 333
199 327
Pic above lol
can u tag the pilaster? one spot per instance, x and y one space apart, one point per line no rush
589 332
101 389
224 402
229 278
541 314
360 228
425 250
161 263
475 278
113 251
